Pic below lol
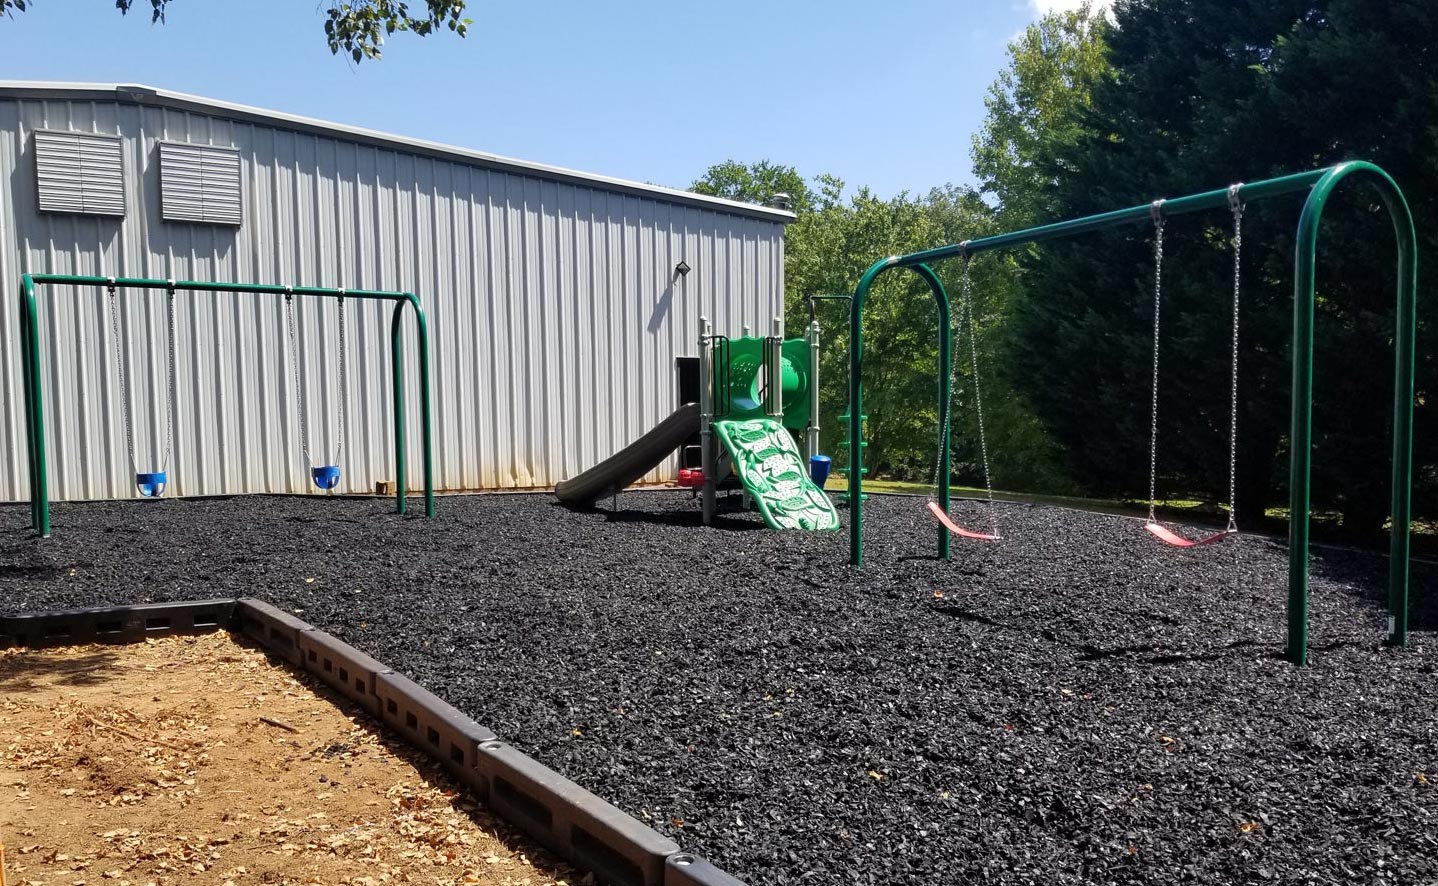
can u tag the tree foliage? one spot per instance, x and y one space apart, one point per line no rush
1035 111
358 29
757 183
827 248
1204 93
1170 97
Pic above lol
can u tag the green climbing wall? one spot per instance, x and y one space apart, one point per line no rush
772 470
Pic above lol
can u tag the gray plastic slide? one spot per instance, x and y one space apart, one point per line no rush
633 461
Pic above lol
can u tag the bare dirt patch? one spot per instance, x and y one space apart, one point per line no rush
151 764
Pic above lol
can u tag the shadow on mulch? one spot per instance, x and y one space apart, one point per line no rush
1365 574
729 518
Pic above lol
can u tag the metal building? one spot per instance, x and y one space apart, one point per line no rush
555 308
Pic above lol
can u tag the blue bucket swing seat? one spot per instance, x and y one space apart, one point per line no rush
325 476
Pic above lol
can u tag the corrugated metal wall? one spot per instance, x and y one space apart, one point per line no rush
554 312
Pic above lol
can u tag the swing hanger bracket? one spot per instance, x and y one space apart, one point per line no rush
1235 202
1155 211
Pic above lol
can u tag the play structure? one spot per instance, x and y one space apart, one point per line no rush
1318 185
156 477
752 391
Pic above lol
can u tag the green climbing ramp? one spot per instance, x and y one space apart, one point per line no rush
772 470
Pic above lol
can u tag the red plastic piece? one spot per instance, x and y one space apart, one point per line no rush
955 528
691 478
1169 537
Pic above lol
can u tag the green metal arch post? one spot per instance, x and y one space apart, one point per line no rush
856 399
34 409
1301 457
397 360
33 379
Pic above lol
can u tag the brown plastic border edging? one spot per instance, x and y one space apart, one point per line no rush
575 823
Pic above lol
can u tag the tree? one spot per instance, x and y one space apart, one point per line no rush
827 248
355 27
1035 111
756 183
1207 92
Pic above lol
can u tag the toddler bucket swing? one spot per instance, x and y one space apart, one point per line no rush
323 476
1156 528
966 318
152 483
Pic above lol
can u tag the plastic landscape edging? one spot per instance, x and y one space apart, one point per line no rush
114 624
579 826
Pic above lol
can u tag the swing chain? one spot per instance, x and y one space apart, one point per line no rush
966 309
120 366
1156 213
299 384
1235 203
344 382
948 408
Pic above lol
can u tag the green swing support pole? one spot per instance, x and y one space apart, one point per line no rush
1319 185
33 379
856 399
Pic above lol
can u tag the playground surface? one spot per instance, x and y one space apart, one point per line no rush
1076 704
122 765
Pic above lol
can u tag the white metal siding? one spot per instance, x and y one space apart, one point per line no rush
553 310
200 184
79 173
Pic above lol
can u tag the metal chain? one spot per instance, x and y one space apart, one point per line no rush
299 385
967 309
344 383
945 423
1235 203
170 388
1156 211
124 379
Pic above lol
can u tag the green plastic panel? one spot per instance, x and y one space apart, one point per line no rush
772 470
746 379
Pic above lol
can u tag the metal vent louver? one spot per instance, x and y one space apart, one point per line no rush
79 173
199 183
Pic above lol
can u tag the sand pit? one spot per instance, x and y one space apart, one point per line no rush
197 760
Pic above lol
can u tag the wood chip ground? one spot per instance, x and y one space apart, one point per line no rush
169 762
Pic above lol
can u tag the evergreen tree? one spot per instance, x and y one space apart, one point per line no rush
1205 93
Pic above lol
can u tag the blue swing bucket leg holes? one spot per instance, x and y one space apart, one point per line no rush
151 484
819 469
326 476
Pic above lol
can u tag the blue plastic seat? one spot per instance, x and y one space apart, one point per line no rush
151 484
325 476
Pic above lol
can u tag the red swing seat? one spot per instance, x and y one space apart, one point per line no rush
955 528
1169 537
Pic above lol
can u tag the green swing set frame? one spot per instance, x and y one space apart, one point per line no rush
34 388
1320 184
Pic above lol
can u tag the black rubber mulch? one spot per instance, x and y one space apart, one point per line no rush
1081 705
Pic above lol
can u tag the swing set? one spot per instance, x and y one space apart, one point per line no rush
1319 185
153 482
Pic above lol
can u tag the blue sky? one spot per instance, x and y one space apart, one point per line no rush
651 91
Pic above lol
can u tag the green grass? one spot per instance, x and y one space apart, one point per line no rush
1125 506
1425 533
